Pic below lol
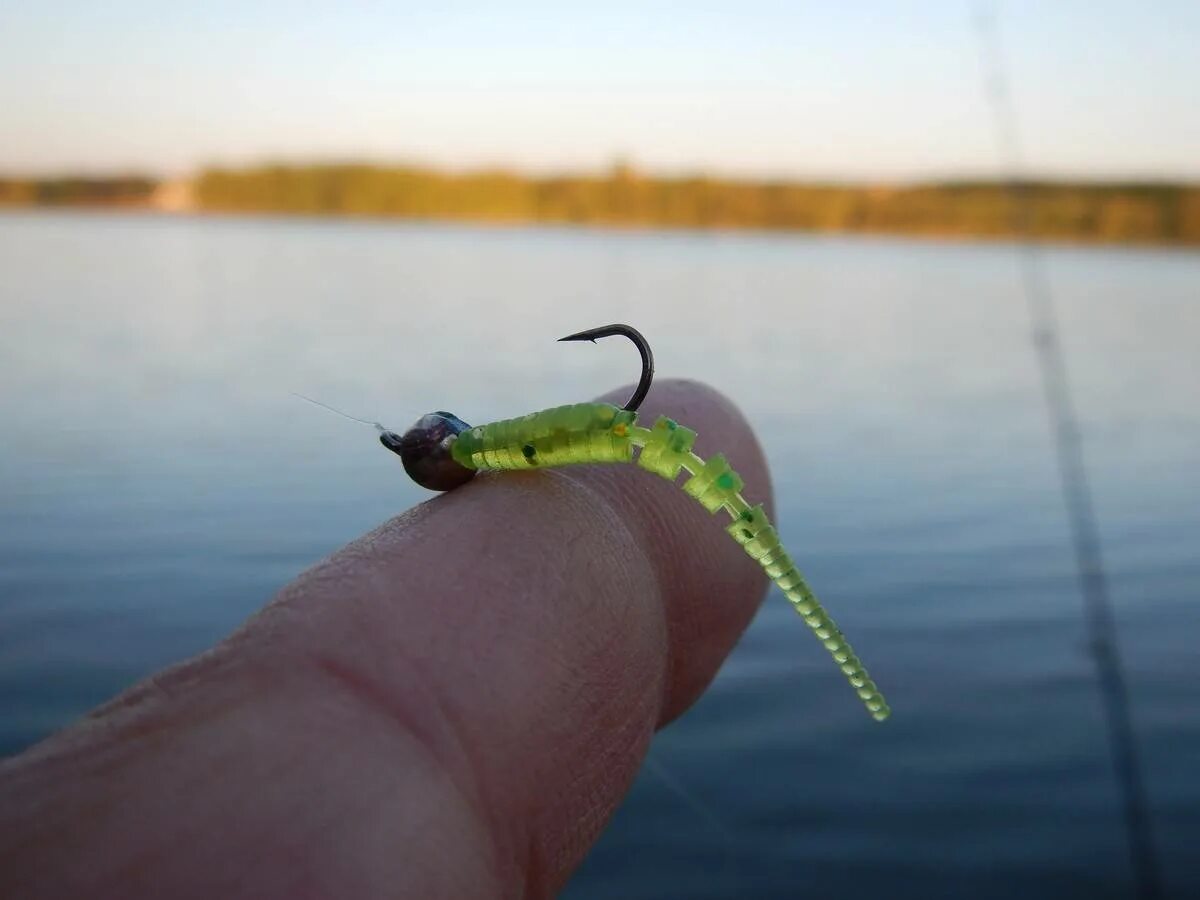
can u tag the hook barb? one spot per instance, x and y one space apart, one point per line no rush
643 387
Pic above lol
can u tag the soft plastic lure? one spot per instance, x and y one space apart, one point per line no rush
441 452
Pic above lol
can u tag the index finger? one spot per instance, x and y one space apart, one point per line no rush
452 705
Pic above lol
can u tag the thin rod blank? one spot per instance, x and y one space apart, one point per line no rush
1076 489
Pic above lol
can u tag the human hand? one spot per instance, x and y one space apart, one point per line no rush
450 706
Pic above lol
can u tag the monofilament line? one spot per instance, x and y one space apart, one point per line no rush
339 412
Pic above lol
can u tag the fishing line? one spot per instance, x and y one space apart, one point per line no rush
672 783
1072 471
339 412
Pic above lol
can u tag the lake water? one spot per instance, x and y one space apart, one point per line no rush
158 484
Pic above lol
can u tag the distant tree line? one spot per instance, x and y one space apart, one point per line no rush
1111 212
72 191
1102 212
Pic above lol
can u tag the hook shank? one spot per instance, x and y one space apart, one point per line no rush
640 342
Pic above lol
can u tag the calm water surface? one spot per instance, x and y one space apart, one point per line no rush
158 484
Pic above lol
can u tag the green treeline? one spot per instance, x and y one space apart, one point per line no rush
72 191
1108 212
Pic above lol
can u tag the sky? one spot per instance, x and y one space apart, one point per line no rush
846 90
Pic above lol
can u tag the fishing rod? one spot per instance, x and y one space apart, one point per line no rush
1072 469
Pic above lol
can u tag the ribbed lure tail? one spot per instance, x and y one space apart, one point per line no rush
667 448
758 538
599 432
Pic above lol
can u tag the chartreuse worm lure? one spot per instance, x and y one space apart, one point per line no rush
441 452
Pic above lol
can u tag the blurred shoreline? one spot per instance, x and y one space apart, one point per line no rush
1117 213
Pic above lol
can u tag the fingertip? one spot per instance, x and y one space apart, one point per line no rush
710 588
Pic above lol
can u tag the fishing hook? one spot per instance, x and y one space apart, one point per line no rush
639 341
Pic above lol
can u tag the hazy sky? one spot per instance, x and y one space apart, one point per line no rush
841 89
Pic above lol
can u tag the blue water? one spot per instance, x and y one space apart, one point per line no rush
158 484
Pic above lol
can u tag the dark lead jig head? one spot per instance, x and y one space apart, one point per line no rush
425 451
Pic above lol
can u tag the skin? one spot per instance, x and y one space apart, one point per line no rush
451 706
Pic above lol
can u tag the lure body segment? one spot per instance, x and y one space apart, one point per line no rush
579 433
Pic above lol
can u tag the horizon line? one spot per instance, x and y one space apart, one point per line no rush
664 173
